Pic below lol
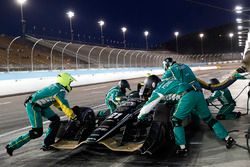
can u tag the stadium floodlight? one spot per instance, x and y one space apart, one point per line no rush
146 33
124 29
238 9
21 2
231 35
101 23
201 35
70 15
176 34
239 20
240 27
242 37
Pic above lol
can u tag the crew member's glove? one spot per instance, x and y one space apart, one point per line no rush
239 76
141 117
241 69
27 100
121 98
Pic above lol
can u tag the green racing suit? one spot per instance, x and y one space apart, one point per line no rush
190 99
38 106
183 73
228 104
112 98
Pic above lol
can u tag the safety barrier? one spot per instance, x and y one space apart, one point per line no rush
24 82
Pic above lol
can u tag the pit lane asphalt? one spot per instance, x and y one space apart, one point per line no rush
205 150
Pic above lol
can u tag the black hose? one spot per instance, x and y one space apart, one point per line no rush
247 147
241 92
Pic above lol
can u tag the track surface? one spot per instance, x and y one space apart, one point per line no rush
205 150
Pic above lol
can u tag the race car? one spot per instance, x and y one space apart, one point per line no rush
121 131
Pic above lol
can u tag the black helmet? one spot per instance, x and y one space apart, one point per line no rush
214 81
150 84
168 62
123 84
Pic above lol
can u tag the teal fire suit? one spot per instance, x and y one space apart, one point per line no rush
112 98
228 104
183 73
38 106
190 100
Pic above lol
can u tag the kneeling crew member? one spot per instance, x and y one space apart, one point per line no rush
228 104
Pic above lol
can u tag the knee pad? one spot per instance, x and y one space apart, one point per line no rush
35 133
176 122
210 121
55 121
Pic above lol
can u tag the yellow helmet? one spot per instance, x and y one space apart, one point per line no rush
65 80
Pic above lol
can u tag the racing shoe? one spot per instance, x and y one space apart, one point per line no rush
46 148
9 150
181 152
230 142
238 114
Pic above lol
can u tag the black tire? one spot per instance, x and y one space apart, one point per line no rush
161 133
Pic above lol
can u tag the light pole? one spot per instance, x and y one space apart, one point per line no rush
21 2
146 33
124 29
176 40
71 15
201 35
101 23
231 42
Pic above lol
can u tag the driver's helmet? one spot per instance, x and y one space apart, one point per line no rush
150 84
167 63
65 80
123 84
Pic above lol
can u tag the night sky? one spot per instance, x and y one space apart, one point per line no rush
160 17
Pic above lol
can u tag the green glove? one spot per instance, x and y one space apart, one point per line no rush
239 76
101 114
141 117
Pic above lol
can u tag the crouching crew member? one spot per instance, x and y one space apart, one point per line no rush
38 105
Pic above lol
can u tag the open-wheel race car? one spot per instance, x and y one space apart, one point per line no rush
121 131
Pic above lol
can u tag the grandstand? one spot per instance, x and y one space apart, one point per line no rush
56 55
